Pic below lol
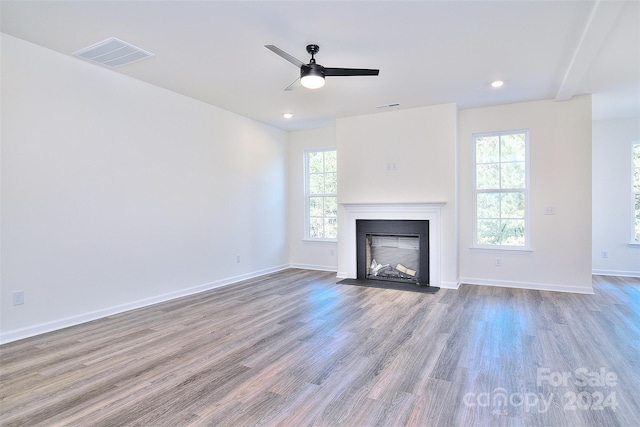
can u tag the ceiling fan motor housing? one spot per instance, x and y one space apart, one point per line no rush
312 69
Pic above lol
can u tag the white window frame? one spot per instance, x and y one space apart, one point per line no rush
308 195
634 193
527 223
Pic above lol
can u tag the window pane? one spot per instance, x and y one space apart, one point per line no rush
331 206
501 165
330 161
315 162
321 194
315 206
316 183
513 148
512 205
637 223
636 189
488 176
488 205
513 232
315 228
330 228
513 175
331 183
487 149
489 231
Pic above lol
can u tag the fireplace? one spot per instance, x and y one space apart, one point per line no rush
393 250
354 212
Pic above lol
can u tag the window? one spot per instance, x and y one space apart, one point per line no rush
321 194
636 191
501 185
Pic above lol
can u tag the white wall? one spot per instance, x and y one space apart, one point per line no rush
116 193
612 203
560 150
401 156
306 253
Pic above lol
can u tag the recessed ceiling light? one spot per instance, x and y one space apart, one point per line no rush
497 83
287 115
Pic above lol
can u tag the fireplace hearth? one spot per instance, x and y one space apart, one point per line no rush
393 250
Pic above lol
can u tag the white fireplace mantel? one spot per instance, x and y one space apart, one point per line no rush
417 211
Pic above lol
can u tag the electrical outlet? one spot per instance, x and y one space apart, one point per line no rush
238 259
18 298
605 254
498 262
331 253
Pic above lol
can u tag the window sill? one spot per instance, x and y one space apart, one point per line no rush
502 249
332 241
634 244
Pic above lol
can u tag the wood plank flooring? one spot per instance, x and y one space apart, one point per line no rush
296 349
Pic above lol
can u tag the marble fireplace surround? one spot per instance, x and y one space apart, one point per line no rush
417 211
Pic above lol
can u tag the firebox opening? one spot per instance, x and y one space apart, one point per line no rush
393 250
393 257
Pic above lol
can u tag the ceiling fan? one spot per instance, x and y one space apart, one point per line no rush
312 75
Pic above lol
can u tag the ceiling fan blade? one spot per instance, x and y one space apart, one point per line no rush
350 72
295 85
285 55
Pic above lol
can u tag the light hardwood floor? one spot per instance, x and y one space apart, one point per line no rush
295 349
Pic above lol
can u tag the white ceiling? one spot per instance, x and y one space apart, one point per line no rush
428 52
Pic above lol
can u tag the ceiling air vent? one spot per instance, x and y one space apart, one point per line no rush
113 53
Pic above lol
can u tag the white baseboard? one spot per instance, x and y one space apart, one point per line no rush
528 285
55 325
449 285
42 328
620 273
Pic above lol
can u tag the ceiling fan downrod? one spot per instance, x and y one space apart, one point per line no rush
312 49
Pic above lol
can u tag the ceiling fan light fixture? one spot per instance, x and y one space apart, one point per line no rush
312 82
311 76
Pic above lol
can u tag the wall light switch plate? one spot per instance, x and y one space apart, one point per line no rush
18 298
